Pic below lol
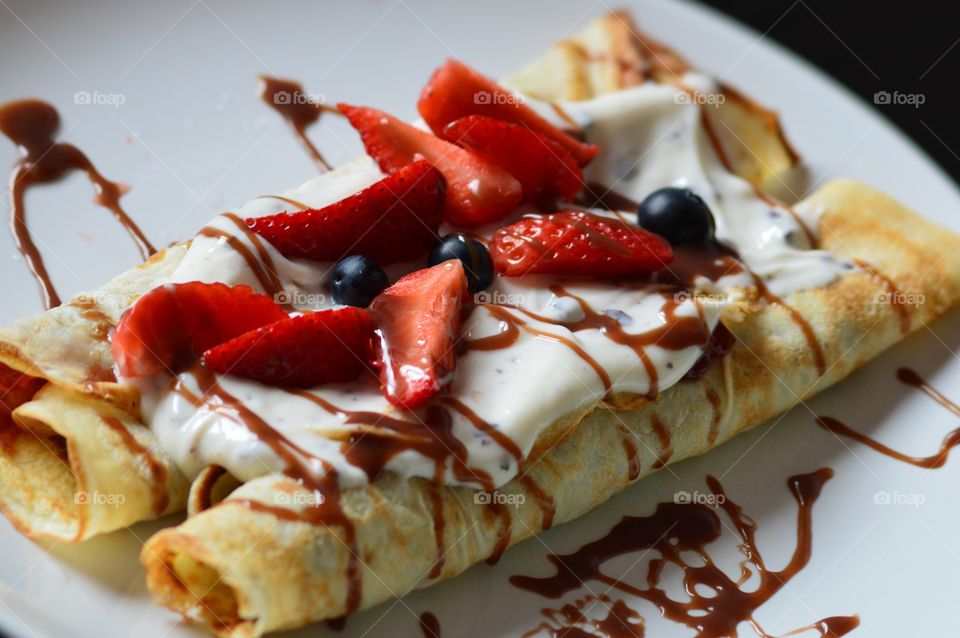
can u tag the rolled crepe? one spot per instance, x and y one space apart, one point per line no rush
244 568
76 460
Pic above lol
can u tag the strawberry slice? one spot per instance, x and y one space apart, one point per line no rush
478 191
394 220
301 352
456 90
168 328
545 169
419 319
577 243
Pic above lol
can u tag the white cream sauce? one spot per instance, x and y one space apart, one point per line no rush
649 139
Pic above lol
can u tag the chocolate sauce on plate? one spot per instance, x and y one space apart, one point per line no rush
932 462
675 531
32 125
298 109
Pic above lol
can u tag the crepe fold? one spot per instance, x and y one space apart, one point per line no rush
75 460
243 570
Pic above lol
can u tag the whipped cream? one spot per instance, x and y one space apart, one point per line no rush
650 138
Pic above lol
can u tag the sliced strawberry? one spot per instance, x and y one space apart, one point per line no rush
171 325
545 169
456 90
394 220
418 319
300 352
478 191
577 243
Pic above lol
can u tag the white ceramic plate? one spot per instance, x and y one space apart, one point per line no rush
191 138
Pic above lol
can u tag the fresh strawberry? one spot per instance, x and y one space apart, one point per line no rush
456 90
300 352
394 220
16 388
577 243
545 169
172 325
418 319
478 191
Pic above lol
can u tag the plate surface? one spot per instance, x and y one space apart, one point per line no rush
174 114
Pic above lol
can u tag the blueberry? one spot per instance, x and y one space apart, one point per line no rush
678 215
356 280
472 254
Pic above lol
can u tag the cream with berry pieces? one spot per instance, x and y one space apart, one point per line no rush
537 346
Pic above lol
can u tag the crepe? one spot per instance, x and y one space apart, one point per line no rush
77 461
242 566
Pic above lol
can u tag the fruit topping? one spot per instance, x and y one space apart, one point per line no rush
577 243
394 220
545 169
473 255
170 326
418 319
678 215
322 347
456 91
478 191
356 280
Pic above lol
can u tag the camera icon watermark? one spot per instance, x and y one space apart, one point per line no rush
98 498
897 98
482 497
299 498
684 497
700 297
703 99
96 98
497 298
909 499
899 298
497 97
300 298
284 98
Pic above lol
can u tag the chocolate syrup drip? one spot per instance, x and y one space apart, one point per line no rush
932 462
720 344
32 125
674 529
809 335
429 625
896 297
158 471
545 502
258 260
325 509
292 103
571 621
630 448
664 439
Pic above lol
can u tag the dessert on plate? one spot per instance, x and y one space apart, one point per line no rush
546 288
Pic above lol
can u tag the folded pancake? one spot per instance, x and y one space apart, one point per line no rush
386 542
280 552
612 54
75 460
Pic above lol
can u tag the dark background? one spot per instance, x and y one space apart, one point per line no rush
912 48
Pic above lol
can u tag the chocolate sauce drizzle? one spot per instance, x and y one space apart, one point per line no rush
934 461
574 621
674 529
429 625
295 106
32 126
676 333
